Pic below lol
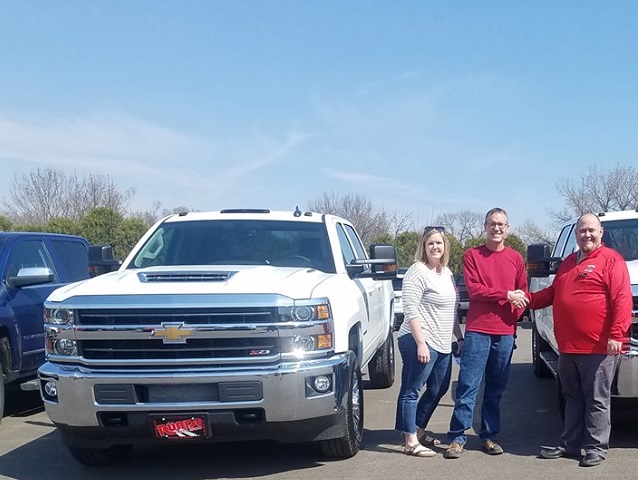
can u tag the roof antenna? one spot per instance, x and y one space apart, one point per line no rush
297 212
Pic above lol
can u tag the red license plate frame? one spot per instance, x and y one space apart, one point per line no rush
182 427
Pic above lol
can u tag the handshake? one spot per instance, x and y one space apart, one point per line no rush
517 298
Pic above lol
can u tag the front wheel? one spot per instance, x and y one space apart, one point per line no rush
3 363
348 445
381 366
94 457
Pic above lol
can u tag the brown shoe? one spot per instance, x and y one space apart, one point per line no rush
455 450
492 448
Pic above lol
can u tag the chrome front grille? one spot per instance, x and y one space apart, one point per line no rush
196 336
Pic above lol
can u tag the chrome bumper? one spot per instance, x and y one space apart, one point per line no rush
285 396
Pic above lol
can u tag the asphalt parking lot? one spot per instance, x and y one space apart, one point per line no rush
30 448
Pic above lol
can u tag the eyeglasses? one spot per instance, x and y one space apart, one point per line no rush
438 228
497 225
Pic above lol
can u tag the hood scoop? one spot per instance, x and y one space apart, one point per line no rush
182 276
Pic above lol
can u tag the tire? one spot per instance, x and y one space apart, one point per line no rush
4 357
348 445
1 391
539 344
95 457
381 366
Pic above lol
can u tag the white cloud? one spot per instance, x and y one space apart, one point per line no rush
160 163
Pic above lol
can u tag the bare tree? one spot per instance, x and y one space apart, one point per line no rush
45 193
463 225
598 191
157 212
530 232
369 220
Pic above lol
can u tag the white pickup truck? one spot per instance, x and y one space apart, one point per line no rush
225 326
621 234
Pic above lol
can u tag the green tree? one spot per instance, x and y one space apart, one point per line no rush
456 255
129 232
404 242
29 227
100 226
6 224
62 225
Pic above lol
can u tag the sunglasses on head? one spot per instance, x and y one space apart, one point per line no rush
438 228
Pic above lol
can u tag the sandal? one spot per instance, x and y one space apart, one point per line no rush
418 450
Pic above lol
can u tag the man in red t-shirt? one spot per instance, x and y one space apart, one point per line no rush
592 303
495 276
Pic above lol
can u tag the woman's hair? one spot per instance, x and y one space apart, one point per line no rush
421 255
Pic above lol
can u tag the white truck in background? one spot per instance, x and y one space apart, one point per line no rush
620 232
235 325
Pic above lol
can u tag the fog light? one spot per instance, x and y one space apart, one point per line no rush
51 389
304 343
322 383
65 346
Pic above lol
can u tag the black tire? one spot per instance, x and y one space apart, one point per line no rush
4 357
95 457
348 445
381 366
539 344
1 391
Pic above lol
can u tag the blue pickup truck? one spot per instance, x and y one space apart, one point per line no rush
32 265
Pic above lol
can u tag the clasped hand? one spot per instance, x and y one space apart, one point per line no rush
517 298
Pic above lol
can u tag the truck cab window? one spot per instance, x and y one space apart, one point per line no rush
30 253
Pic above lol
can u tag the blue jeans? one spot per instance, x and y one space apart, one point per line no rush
482 355
435 374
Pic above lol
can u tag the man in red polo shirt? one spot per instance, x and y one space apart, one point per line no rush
592 302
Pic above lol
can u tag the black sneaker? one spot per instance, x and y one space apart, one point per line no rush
552 453
591 460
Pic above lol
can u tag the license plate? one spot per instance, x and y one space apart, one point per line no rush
181 427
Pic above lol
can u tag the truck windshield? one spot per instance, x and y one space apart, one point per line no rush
622 236
238 242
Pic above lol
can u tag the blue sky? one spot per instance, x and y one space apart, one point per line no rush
422 106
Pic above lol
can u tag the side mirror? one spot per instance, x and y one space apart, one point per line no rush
101 260
28 276
383 259
539 262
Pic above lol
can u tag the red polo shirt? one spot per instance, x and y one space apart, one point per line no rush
592 301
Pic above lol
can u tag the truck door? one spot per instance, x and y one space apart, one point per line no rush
371 290
27 302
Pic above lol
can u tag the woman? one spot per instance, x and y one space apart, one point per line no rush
425 338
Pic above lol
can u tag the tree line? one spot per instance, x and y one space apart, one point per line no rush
53 200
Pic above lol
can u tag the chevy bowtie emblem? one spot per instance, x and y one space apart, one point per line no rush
174 332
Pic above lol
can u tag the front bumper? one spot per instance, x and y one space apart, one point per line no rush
279 405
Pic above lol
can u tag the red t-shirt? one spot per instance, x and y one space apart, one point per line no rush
592 302
489 275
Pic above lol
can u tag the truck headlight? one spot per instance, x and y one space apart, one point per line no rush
305 313
58 316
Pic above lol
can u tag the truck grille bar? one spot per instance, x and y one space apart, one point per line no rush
167 335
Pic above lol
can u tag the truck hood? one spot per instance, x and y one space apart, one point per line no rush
194 280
